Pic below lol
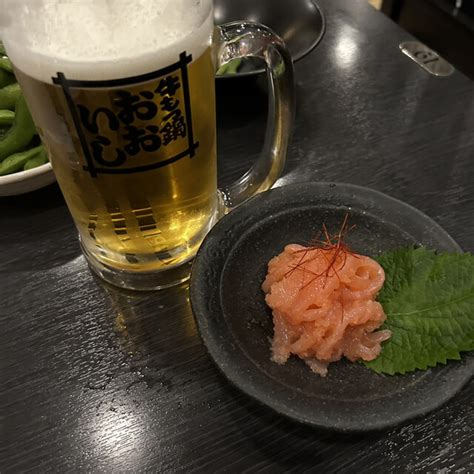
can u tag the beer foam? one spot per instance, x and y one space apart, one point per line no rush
104 39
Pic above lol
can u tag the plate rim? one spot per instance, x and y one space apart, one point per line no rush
23 182
21 176
266 399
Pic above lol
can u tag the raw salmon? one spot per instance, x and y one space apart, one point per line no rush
323 303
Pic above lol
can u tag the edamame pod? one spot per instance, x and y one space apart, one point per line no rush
9 96
6 64
16 161
21 132
230 68
6 78
40 159
6 117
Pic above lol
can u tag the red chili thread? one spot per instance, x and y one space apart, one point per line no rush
333 245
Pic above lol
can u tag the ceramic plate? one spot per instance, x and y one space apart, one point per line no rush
26 181
236 325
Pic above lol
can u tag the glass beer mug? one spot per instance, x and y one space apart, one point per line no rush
123 97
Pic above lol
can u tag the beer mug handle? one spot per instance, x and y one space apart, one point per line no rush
247 39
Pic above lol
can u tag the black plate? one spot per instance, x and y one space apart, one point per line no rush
236 325
299 22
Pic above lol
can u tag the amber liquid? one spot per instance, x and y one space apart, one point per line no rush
145 221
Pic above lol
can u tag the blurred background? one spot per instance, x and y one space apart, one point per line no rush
447 26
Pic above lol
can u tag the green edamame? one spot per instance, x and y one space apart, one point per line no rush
6 117
21 132
40 159
9 96
6 78
231 67
6 64
17 161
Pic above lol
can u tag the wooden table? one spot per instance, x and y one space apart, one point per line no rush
95 379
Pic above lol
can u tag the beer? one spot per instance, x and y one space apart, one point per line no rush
131 132
122 93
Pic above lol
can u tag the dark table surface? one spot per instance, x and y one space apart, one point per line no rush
96 379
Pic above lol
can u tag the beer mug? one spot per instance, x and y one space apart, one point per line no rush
123 97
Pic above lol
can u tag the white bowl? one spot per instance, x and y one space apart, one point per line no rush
26 181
